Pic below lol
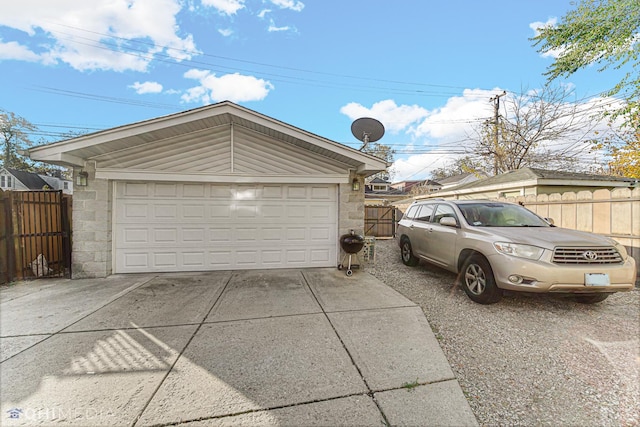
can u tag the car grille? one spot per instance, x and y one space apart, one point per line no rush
587 256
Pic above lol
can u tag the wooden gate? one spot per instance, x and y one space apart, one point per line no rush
380 221
36 235
5 226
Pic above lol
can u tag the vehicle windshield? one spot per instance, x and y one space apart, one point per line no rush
500 215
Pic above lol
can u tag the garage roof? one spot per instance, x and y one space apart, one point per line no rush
105 145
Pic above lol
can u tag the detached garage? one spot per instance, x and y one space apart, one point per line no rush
216 188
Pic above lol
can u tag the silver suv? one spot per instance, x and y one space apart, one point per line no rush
495 246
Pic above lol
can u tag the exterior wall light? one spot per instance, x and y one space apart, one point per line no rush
81 179
355 185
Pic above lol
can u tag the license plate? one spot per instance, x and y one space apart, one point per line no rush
596 279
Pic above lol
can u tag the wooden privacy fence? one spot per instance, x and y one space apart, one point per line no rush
380 221
613 213
35 235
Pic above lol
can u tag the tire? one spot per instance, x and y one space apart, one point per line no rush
591 298
407 254
478 281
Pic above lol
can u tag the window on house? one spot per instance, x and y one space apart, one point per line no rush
2 181
9 182
65 185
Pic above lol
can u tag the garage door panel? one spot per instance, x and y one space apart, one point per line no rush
221 260
165 212
136 189
165 260
194 235
164 235
220 235
193 190
165 190
136 260
182 226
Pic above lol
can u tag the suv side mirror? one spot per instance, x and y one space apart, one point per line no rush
449 221
549 220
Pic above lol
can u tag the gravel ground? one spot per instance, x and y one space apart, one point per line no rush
529 359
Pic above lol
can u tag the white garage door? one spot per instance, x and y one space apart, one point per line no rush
200 226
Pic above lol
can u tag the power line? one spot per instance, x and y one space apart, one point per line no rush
209 55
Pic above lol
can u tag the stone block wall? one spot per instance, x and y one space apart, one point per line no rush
350 211
92 206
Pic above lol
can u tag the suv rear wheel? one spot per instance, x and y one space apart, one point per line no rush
478 281
407 253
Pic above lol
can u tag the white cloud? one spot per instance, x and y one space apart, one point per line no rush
228 7
394 118
455 120
96 35
231 87
289 4
146 87
273 28
263 12
419 166
536 26
16 51
226 32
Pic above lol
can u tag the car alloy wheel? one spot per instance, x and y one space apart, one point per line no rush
407 254
478 281
475 280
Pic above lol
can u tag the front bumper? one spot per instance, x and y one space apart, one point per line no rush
541 276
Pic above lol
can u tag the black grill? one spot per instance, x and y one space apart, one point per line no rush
351 243
586 256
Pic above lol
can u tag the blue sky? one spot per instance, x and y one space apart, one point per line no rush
425 69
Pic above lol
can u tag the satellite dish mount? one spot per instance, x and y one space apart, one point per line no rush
367 130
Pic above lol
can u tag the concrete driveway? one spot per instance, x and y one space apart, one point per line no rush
277 347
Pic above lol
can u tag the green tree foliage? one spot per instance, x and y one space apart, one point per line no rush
14 134
606 33
461 165
383 152
602 32
623 146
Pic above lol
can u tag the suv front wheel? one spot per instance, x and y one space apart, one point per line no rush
478 281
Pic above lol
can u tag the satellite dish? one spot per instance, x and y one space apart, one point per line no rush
367 130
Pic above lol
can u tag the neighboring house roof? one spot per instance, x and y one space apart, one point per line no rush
406 185
549 177
536 177
204 133
378 181
30 180
457 179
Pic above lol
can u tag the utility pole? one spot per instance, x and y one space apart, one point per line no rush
496 115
